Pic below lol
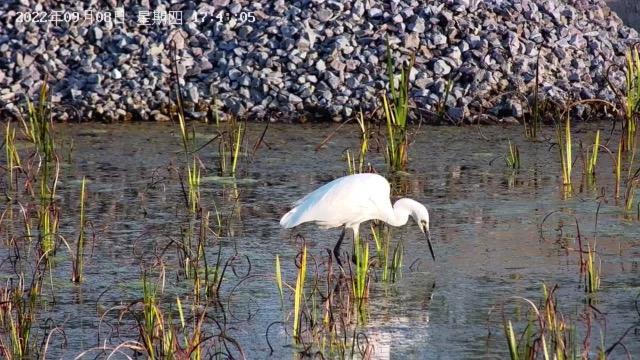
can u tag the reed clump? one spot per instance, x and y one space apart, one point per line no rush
548 333
512 158
396 112
563 135
327 310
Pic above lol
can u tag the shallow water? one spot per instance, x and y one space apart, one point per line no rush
486 224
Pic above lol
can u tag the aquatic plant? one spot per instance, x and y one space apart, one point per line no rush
18 312
618 170
299 294
12 156
513 157
354 168
592 270
563 136
77 271
162 337
548 333
360 276
230 139
592 156
279 280
631 98
532 126
390 265
38 124
396 115
441 106
323 310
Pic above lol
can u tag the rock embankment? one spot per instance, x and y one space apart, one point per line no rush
296 59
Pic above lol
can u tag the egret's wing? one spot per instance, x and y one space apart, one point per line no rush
350 199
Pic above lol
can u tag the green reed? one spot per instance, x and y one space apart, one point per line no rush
513 157
38 125
279 281
298 296
592 270
390 264
532 127
78 264
592 156
12 156
193 181
352 167
549 334
323 311
38 128
230 139
396 115
161 336
563 135
360 278
631 98
442 104
18 315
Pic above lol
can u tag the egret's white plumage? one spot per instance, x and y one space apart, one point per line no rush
353 199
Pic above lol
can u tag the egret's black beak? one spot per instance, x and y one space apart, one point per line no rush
428 234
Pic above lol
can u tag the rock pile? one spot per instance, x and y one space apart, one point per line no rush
286 59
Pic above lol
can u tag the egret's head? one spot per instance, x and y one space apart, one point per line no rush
421 216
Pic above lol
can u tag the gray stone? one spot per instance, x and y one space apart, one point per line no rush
194 95
440 67
97 32
234 74
456 114
332 80
417 26
294 99
324 15
374 13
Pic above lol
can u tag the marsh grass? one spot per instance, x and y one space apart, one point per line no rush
390 265
396 111
279 281
231 134
592 269
327 316
513 157
19 301
299 295
592 156
548 334
78 264
161 335
563 136
38 124
441 107
12 157
360 276
532 126
357 165
631 98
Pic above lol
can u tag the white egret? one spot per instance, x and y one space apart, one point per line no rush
351 200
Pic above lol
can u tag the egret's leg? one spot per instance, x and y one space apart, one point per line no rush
356 235
336 249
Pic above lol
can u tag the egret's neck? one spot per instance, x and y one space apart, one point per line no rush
401 212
